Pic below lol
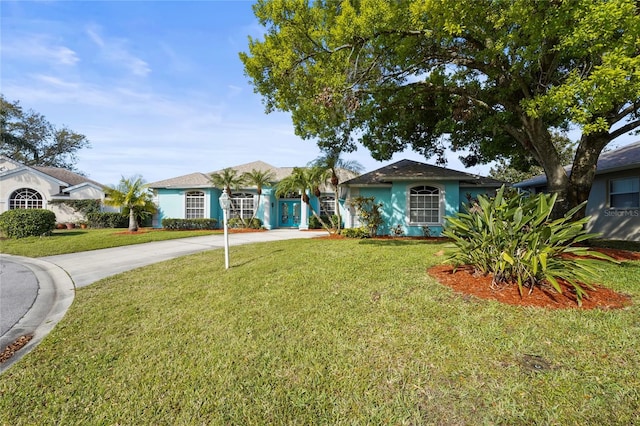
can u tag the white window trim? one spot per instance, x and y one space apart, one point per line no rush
43 199
610 193
441 203
204 201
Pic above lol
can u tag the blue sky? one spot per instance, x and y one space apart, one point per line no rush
156 86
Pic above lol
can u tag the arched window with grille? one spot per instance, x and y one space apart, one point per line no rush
25 198
241 205
424 205
194 205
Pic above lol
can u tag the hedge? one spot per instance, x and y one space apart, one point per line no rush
21 223
361 232
189 224
107 220
236 222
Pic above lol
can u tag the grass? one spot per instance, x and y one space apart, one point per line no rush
324 332
72 241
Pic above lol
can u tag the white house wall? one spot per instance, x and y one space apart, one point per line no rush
25 179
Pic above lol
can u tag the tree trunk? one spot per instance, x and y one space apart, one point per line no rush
337 208
537 140
133 223
584 169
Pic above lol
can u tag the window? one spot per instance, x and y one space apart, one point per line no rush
424 204
194 205
327 205
624 193
25 198
241 205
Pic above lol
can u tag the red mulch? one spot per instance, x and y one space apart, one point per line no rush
464 281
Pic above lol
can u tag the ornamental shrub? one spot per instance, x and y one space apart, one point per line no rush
369 212
360 233
236 222
512 237
21 223
189 224
108 220
314 223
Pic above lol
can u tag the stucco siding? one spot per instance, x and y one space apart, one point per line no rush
25 179
384 196
612 223
171 202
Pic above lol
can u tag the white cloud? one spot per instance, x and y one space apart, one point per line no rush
115 51
38 47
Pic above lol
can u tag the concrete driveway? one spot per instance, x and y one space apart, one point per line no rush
36 293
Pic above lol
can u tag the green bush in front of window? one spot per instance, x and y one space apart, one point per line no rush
512 237
314 223
360 233
236 222
22 223
189 224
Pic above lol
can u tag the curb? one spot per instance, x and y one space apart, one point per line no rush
55 295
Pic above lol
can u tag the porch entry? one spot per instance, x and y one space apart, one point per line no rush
289 213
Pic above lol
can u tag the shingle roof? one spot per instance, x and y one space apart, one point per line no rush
624 158
414 170
67 176
193 180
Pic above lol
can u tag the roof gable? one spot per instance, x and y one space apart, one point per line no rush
409 170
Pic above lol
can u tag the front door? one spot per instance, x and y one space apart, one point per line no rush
289 215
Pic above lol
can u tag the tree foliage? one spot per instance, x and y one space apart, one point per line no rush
29 138
493 77
305 180
133 195
259 179
332 163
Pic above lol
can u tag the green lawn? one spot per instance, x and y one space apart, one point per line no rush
324 332
72 241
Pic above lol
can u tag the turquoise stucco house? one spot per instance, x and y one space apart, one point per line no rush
413 195
193 196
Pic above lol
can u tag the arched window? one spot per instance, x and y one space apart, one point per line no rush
25 198
194 205
327 205
241 205
424 205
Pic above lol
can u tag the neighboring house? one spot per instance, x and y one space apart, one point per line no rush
194 196
24 187
614 200
416 195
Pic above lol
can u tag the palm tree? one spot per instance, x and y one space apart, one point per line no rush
228 179
131 194
304 179
259 179
331 162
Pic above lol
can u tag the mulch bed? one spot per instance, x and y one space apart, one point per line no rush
10 350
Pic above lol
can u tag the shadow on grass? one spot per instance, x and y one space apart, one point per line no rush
67 233
399 242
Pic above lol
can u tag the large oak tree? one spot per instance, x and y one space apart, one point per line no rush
27 137
494 77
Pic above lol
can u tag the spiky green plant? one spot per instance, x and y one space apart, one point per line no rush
512 237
